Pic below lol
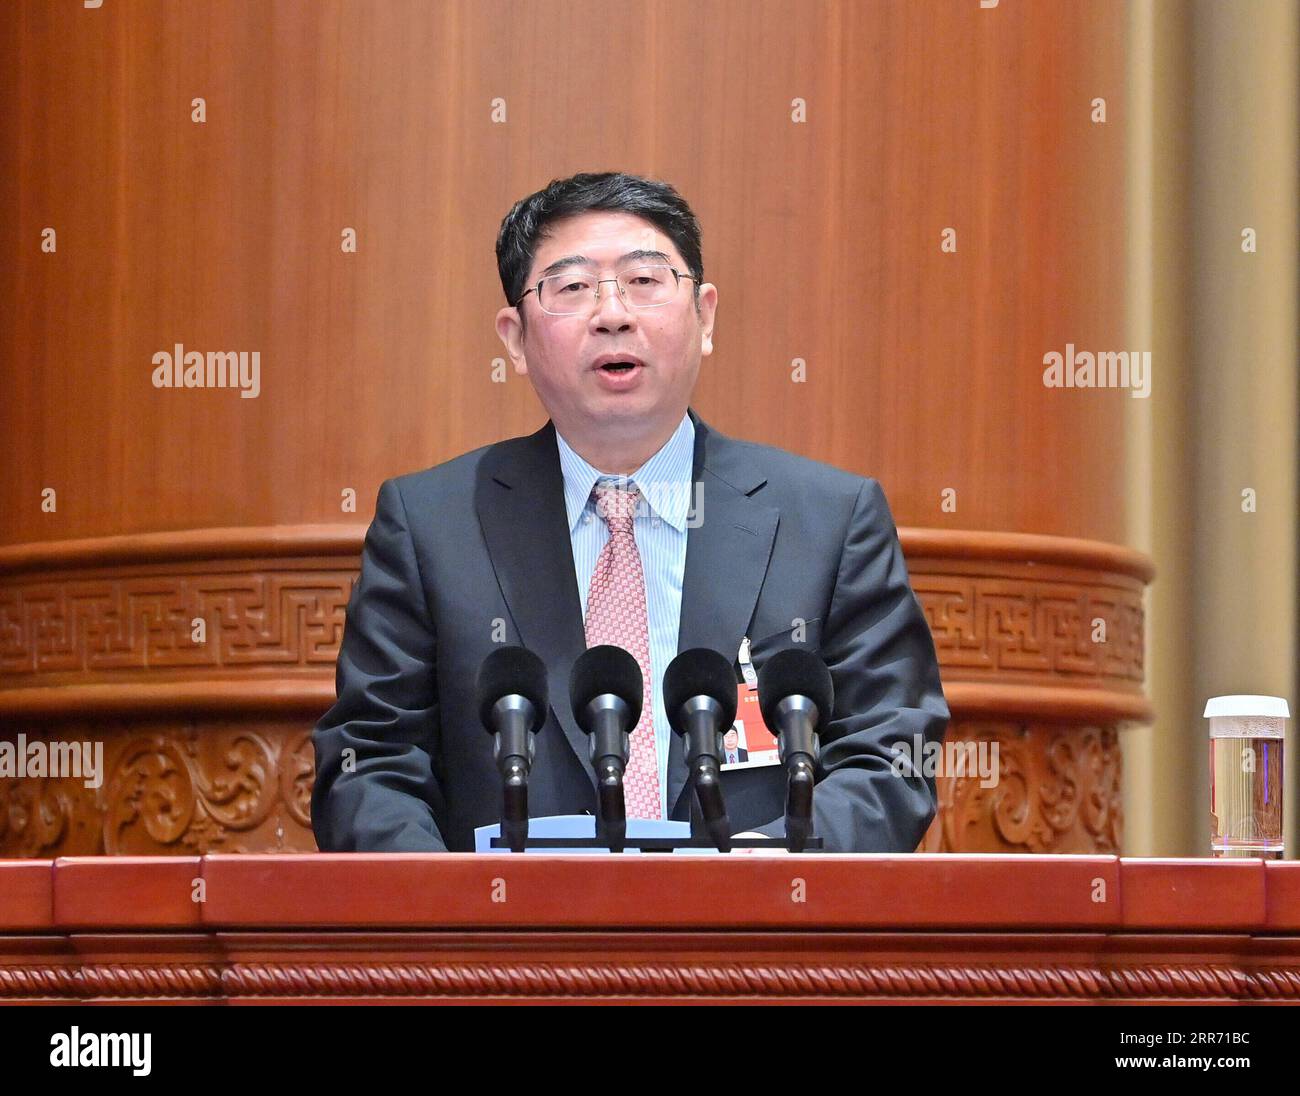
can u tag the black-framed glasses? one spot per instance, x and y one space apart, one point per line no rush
573 291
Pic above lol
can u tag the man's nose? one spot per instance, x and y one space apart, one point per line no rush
611 310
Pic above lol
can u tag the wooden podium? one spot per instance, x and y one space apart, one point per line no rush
366 928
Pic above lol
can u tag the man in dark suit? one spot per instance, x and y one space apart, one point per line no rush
609 317
732 754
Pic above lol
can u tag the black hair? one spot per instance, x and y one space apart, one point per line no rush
655 201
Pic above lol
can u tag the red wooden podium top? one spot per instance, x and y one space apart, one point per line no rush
499 927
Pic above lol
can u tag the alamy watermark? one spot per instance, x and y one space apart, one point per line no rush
669 496
1104 369
181 368
934 759
82 761
74 1048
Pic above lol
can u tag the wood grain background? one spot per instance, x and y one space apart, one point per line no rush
924 368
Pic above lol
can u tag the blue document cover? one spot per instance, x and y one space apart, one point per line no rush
584 825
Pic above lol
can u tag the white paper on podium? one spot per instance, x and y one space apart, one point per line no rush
584 825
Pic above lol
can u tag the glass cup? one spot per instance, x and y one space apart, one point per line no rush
1247 734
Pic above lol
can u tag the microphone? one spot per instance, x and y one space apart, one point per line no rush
700 698
512 704
796 695
606 691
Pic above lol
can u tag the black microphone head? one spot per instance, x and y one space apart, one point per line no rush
794 672
605 669
507 671
701 671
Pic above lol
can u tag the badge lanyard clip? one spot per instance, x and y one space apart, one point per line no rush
746 666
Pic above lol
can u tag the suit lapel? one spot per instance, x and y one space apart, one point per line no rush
519 498
727 553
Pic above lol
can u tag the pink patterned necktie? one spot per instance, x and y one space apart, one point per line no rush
616 613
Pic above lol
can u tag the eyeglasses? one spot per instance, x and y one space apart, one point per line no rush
574 291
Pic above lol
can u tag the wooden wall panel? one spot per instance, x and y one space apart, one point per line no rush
823 238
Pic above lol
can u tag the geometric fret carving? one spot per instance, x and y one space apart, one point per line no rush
1043 627
287 618
280 618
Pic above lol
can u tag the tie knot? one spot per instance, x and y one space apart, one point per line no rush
617 505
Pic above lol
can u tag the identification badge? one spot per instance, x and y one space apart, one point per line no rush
749 744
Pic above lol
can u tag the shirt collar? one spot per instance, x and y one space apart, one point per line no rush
664 480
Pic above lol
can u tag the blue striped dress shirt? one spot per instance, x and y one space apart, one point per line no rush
660 529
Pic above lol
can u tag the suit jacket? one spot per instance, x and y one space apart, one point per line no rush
741 756
476 552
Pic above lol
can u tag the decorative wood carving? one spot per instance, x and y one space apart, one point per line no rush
1027 981
201 787
277 617
1058 790
1022 626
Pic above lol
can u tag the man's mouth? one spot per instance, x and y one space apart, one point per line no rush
616 364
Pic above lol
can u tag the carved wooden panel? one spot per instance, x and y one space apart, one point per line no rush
196 787
228 786
254 615
1058 790
1032 626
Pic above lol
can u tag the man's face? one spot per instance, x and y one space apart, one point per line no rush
559 353
730 739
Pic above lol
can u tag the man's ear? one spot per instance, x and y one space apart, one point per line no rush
512 337
708 310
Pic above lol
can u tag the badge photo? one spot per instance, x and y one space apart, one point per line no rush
748 744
